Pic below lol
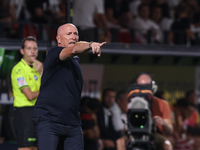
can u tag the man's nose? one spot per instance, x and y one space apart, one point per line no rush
33 51
73 36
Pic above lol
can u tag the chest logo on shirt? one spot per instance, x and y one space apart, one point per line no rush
35 77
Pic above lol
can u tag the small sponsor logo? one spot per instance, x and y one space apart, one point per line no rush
18 71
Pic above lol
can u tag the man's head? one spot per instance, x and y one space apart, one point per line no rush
122 100
184 107
191 97
143 11
108 97
144 79
29 49
156 14
67 35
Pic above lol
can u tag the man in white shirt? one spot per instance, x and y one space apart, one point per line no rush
119 110
84 14
142 24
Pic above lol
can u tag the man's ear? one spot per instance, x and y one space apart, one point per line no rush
58 39
22 51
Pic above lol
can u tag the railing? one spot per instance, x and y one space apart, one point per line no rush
122 43
47 33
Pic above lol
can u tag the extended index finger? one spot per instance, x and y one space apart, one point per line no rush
102 44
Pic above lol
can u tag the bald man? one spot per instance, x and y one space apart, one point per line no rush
161 115
56 112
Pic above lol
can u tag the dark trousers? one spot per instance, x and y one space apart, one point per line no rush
51 135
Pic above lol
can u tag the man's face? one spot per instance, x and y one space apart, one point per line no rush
109 98
30 51
187 112
193 98
123 103
157 13
144 12
68 37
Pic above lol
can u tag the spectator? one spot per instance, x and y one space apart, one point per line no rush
192 7
25 79
180 30
134 4
5 16
19 11
5 19
104 116
84 15
39 10
119 110
195 28
58 16
142 24
194 119
164 7
181 113
191 96
88 110
157 17
117 13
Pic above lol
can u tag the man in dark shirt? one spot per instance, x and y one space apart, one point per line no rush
108 134
56 112
117 12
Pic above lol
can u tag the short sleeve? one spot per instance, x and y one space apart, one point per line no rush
100 6
52 56
19 78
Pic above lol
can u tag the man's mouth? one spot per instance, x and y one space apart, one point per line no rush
72 43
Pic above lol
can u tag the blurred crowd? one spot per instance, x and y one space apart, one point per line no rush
152 21
104 121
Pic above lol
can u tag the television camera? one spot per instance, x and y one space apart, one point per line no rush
139 118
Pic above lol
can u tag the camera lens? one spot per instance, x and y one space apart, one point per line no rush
138 119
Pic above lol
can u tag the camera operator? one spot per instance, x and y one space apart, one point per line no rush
161 115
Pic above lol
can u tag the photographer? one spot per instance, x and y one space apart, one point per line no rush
161 116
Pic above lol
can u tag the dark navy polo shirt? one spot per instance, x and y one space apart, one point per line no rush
60 91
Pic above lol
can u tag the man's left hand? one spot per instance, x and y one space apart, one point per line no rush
158 121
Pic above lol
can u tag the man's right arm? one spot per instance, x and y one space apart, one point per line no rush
81 47
29 94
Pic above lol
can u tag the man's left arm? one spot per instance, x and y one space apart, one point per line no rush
165 120
167 126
